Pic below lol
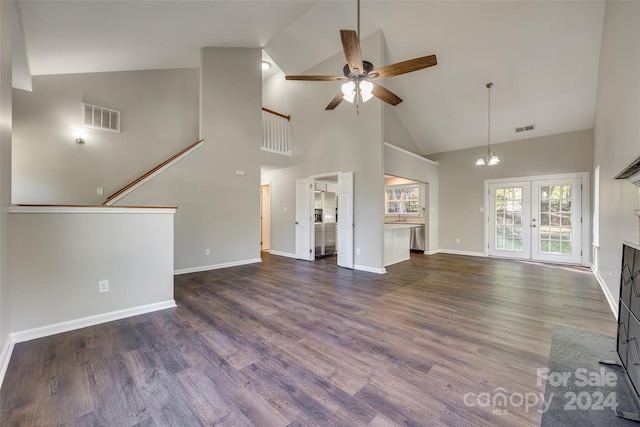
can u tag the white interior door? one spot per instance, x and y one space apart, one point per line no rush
509 220
345 219
557 220
265 217
539 219
304 243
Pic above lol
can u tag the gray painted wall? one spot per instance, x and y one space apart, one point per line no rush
462 183
327 142
396 133
159 111
5 166
617 136
401 164
57 260
217 209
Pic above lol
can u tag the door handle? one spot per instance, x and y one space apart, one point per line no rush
296 222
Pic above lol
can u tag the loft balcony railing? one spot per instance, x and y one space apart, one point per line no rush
275 131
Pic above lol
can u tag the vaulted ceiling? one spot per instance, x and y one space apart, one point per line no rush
542 56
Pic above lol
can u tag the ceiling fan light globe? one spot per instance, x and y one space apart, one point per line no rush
366 96
366 87
348 88
349 97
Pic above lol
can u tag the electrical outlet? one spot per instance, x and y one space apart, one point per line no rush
99 191
207 251
103 286
457 241
357 251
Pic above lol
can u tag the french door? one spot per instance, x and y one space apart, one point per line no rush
539 219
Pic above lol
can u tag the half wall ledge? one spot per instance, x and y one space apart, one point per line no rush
89 209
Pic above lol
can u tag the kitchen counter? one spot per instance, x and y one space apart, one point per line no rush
394 225
397 241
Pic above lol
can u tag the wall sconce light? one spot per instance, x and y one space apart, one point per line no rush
79 140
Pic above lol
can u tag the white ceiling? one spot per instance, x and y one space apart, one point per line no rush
542 56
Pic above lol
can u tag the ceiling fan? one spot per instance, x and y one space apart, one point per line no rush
360 75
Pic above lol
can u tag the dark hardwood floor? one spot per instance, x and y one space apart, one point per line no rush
295 343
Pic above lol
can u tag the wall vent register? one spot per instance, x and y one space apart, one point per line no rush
97 117
525 128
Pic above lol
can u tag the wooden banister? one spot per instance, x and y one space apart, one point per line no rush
150 173
275 113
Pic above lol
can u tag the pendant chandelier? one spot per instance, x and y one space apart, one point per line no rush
491 159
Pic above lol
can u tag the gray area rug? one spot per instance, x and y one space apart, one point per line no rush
579 390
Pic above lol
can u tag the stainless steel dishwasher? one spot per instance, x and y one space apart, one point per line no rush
417 238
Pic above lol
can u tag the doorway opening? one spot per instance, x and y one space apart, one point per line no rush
325 217
324 220
406 202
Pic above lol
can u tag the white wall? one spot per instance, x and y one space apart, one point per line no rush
218 209
402 164
326 142
462 183
5 170
159 117
396 133
57 260
617 137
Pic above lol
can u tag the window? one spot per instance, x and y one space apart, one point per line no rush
100 117
402 200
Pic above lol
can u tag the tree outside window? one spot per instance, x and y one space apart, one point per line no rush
402 200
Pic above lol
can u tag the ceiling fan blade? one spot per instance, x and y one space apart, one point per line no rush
352 51
404 67
335 101
316 78
386 95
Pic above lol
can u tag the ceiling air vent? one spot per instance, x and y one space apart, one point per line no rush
100 117
525 128
631 173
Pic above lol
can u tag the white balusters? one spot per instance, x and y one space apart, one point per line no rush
275 133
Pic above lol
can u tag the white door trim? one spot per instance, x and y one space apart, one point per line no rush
345 220
586 213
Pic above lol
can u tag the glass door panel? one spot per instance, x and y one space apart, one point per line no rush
556 222
507 216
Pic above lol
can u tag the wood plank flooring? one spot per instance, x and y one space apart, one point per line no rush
296 343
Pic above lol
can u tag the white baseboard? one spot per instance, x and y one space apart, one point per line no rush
437 251
466 253
5 356
216 266
369 269
613 303
57 328
285 254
